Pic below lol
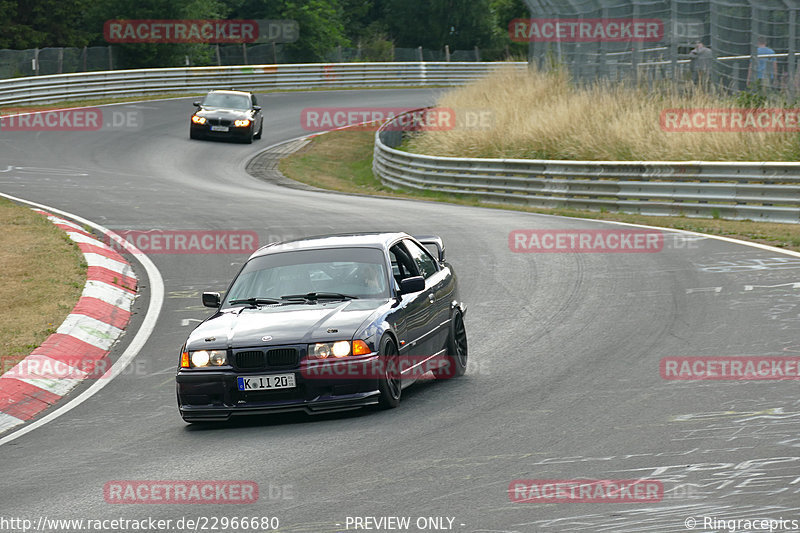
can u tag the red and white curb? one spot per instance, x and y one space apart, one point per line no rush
79 348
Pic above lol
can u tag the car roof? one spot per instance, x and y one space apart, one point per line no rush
337 240
229 91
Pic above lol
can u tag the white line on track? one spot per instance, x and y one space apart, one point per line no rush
144 332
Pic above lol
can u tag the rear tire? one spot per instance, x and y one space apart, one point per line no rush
389 383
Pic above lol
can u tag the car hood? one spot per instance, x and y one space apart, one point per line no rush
285 324
220 112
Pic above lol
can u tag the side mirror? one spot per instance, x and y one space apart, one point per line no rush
196 104
256 108
414 284
211 299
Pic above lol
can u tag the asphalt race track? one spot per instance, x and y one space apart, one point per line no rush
563 381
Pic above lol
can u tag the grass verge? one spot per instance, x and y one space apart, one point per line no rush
342 161
545 115
43 276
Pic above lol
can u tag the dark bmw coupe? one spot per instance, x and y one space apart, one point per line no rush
325 324
227 115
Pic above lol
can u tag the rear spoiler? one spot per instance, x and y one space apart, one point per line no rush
434 241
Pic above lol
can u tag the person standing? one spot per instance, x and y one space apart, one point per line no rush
766 67
701 58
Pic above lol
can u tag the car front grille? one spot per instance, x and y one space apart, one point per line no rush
219 122
283 357
261 360
250 360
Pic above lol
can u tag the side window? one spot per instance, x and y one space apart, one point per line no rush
402 264
253 97
425 263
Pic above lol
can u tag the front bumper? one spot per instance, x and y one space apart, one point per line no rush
204 130
213 395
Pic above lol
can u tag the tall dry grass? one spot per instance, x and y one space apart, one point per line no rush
545 116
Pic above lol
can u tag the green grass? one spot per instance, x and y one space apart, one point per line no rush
43 276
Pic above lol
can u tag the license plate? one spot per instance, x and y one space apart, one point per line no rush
219 128
275 381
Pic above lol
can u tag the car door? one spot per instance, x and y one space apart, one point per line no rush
258 115
413 313
436 293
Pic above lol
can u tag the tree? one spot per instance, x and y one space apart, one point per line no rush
148 54
461 24
321 23
41 23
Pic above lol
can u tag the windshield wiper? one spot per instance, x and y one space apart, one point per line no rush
319 295
255 302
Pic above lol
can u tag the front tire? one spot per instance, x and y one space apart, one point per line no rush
457 350
389 383
260 131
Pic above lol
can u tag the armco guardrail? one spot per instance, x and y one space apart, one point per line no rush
115 83
737 191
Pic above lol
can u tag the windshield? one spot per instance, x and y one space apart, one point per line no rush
228 101
356 272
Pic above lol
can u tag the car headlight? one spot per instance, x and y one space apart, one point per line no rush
204 358
337 350
198 120
241 123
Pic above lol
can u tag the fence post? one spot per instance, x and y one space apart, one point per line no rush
447 53
61 60
791 59
110 59
419 53
753 67
219 58
477 54
244 53
274 53
36 61
673 41
85 58
637 47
